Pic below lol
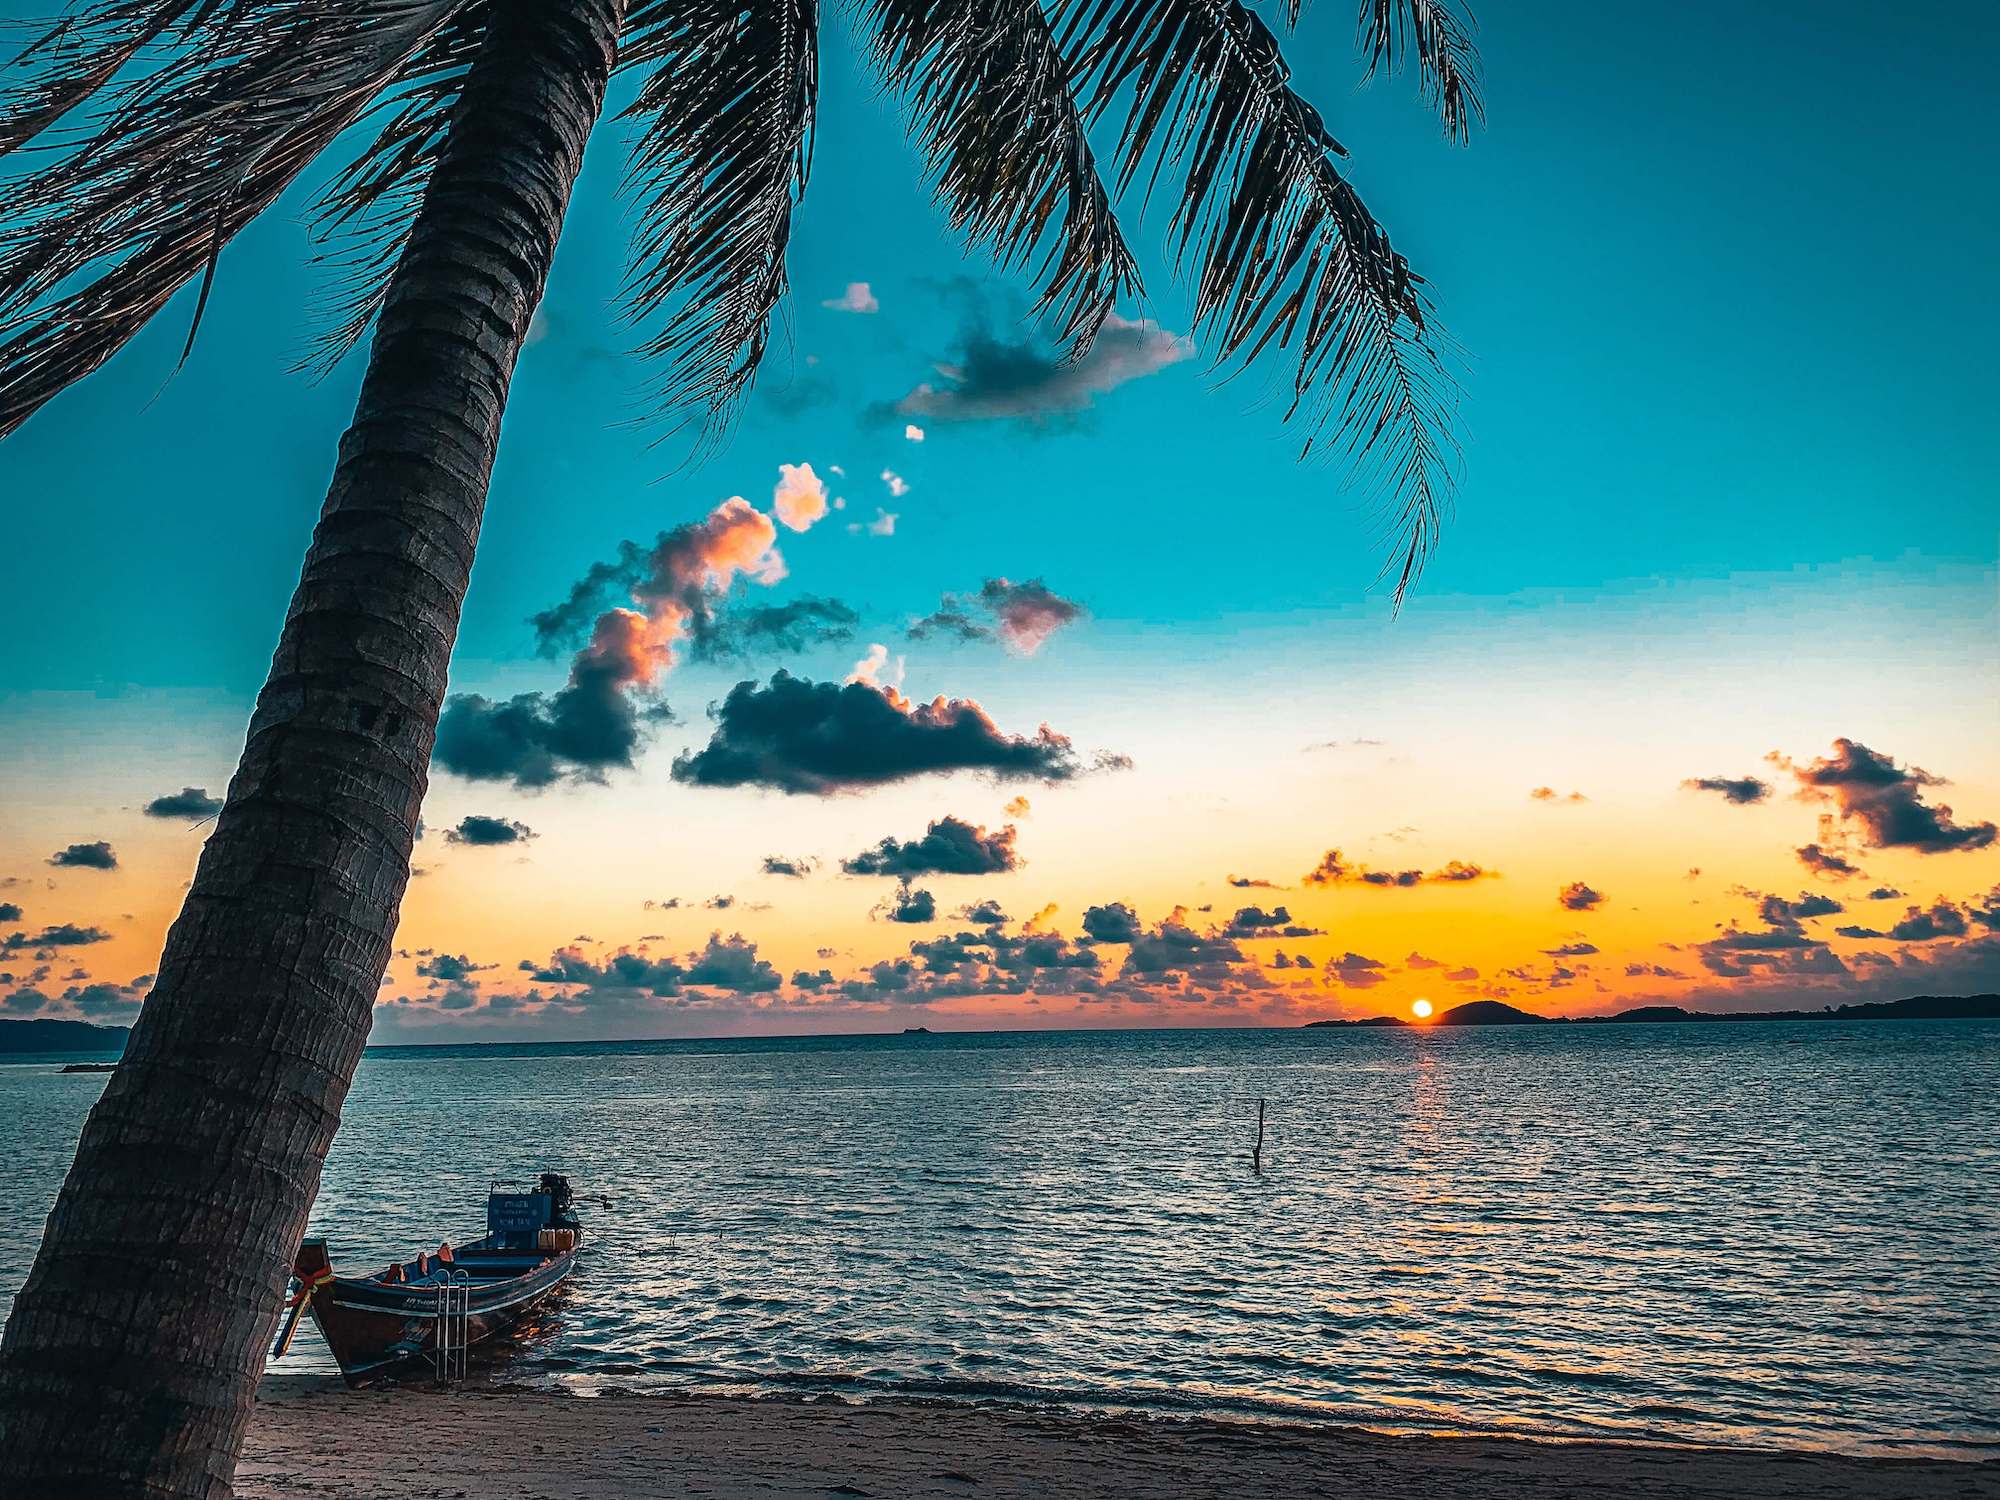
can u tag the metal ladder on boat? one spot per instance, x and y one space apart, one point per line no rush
454 1326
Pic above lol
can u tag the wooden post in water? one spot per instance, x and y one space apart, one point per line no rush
1257 1151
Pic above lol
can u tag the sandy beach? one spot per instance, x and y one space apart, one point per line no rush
311 1440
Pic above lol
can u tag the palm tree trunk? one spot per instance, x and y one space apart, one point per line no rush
130 1362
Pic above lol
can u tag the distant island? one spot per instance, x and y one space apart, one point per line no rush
44 1035
1498 1013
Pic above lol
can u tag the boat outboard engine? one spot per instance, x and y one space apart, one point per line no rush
562 1202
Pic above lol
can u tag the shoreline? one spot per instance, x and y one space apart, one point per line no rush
313 1437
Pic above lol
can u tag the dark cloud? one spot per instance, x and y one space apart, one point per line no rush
1741 790
806 737
1354 971
483 832
772 629
990 379
108 1004
1887 800
1885 893
984 913
732 964
1173 947
1943 920
188 802
913 906
1652 971
587 728
791 869
950 846
817 980
1024 615
1255 922
9 912
453 967
1246 883
95 856
1576 896
59 935
1859 932
1778 912
1419 961
1822 861
1572 950
1465 975
1114 922
1333 869
1550 794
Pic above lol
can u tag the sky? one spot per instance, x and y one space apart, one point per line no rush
1697 703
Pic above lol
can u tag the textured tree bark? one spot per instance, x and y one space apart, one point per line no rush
131 1358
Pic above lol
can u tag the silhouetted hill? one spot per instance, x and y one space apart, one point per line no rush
1914 1008
1489 1013
44 1035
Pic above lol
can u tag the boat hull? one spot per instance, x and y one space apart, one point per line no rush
375 1328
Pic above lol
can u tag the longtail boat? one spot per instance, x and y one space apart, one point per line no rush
434 1307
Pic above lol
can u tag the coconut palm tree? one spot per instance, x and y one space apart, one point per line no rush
161 127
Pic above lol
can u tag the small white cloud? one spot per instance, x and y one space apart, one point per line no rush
898 485
913 432
856 299
884 524
870 668
800 496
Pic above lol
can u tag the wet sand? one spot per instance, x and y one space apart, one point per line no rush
313 1439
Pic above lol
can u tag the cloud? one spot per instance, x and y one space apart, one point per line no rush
1576 896
950 846
1354 971
58 935
1943 920
1175 947
450 967
1114 922
1778 912
913 906
1333 869
912 432
806 737
481 831
1825 862
95 856
1023 615
858 298
990 379
593 723
1741 790
188 802
773 629
1572 950
884 523
730 964
1255 922
983 913
1884 893
791 869
1419 961
898 487
1887 800
1550 794
800 497
1249 883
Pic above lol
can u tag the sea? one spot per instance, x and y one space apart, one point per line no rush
1744 1232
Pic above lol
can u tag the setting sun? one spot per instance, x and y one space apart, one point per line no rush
1421 1009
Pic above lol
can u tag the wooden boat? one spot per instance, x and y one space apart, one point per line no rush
434 1307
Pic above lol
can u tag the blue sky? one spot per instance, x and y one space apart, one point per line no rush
1721 278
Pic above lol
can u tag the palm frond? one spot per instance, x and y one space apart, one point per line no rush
173 163
722 155
72 59
1287 252
369 209
1447 60
1004 139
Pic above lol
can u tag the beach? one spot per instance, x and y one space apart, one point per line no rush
314 1438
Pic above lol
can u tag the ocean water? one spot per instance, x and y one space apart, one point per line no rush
1747 1232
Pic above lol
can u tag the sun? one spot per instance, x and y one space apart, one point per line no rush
1421 1009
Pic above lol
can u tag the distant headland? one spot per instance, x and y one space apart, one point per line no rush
1498 1013
44 1035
